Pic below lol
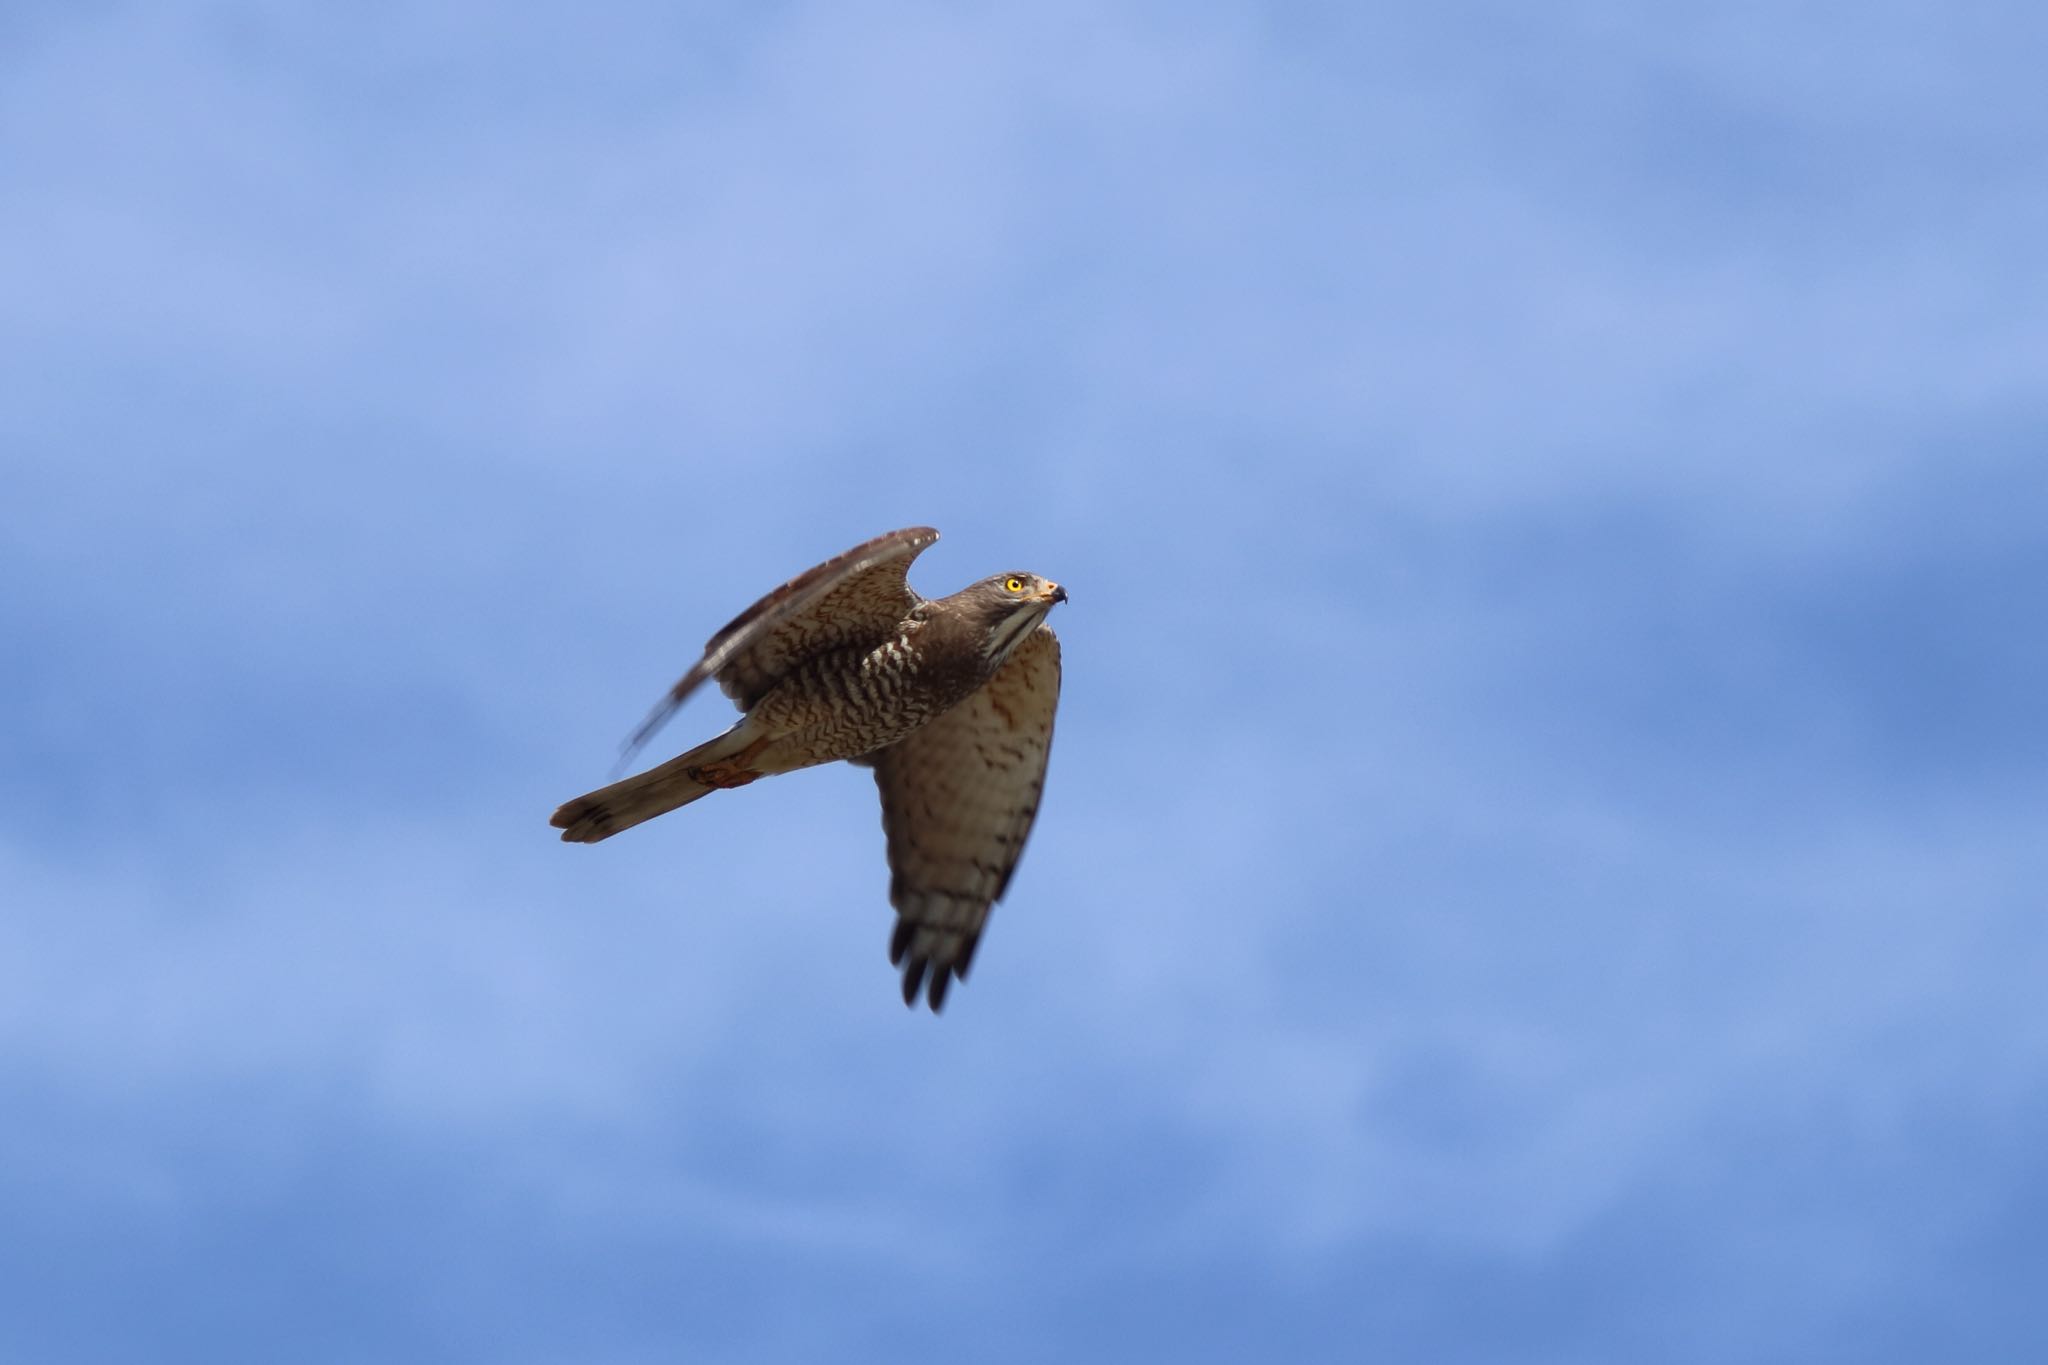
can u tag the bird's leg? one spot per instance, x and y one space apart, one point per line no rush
736 771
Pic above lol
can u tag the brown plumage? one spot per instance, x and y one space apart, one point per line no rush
949 700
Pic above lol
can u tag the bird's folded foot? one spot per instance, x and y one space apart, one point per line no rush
723 775
735 771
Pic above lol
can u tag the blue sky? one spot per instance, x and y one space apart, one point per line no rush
1542 855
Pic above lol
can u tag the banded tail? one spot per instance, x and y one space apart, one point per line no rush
670 786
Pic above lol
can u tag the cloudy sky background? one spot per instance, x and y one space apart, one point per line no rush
1543 854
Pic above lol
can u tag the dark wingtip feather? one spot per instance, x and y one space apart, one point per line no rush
921 974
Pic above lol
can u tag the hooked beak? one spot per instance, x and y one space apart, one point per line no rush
1052 593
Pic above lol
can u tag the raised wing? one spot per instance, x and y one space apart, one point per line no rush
958 799
852 599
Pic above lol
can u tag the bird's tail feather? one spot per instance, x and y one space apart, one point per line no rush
604 812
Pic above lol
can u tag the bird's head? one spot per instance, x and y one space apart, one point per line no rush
1010 606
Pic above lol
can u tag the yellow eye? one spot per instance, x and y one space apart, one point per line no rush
1015 585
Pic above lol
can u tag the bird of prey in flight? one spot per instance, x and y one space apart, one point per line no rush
949 700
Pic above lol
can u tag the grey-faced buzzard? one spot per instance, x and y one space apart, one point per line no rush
949 700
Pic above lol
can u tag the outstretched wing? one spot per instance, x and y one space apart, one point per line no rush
852 599
958 799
